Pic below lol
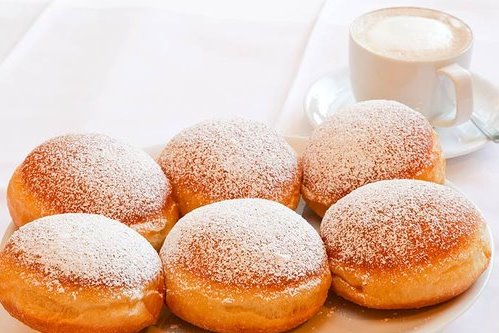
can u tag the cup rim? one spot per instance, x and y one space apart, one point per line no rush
443 59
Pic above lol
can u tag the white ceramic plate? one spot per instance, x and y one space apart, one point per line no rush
332 92
337 315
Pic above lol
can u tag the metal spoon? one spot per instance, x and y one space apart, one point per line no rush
490 132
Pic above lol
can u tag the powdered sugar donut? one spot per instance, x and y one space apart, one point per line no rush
93 173
399 244
81 273
245 265
364 143
229 159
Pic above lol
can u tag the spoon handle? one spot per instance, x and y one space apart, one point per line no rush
488 131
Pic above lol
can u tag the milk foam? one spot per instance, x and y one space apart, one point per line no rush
411 34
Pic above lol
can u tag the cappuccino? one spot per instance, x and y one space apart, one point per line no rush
411 34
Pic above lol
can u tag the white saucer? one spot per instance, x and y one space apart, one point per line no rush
332 92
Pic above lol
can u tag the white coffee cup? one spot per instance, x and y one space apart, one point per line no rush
417 56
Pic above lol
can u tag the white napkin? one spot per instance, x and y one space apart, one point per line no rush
477 174
141 71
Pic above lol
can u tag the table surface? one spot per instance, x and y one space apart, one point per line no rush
141 71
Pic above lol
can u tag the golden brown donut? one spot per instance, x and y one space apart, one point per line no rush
245 265
364 143
81 273
230 159
93 173
399 244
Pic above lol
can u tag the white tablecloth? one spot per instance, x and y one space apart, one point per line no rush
143 70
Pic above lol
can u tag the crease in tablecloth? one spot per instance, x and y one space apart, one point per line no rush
142 74
16 18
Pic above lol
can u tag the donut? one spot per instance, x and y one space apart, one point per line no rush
93 173
245 265
366 142
77 273
400 244
230 159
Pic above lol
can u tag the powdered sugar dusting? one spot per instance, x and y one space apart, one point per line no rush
366 142
245 242
93 173
231 158
397 223
84 249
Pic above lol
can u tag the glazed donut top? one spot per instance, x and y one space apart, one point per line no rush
245 243
83 250
231 158
93 173
366 142
398 223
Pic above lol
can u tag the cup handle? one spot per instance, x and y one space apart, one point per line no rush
463 85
